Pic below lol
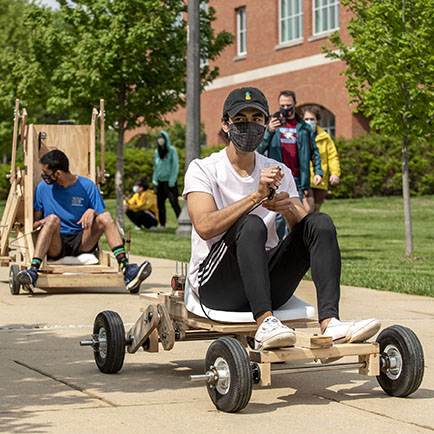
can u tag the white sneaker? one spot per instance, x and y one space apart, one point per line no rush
351 331
273 334
137 228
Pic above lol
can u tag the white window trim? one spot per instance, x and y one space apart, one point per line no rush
328 31
204 62
241 53
291 41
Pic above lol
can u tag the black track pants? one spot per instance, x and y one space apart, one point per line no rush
165 192
146 219
240 275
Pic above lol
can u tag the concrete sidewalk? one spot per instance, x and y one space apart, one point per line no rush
49 384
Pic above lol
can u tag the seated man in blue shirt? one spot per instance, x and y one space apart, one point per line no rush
72 214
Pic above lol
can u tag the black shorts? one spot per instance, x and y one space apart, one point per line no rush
71 245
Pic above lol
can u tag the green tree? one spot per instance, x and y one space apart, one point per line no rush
12 39
390 71
131 53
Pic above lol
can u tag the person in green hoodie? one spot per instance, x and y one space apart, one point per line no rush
166 168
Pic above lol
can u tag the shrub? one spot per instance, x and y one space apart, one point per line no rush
371 166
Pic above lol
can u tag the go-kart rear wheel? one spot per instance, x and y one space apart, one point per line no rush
232 388
109 352
401 361
14 284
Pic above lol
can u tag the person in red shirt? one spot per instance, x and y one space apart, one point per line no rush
288 139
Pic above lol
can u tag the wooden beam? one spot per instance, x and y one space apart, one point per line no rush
78 280
298 353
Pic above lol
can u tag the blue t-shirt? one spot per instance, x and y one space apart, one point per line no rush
70 203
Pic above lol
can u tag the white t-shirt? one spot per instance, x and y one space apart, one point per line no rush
215 175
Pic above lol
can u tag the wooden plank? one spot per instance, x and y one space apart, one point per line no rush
102 139
9 221
143 327
61 269
265 369
206 324
372 367
298 353
166 332
153 342
85 280
91 148
313 341
14 139
23 125
73 140
32 176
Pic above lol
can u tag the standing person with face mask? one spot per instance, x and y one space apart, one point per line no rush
329 161
236 262
142 208
288 140
166 167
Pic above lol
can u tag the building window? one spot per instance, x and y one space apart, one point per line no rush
326 15
327 121
204 7
241 31
291 20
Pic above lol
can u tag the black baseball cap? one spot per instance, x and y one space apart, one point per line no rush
244 97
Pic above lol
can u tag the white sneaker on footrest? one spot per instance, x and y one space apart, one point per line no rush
351 331
273 334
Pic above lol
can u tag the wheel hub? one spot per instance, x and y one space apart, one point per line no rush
219 376
392 362
101 346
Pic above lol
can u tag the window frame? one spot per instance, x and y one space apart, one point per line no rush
241 10
336 3
203 62
300 18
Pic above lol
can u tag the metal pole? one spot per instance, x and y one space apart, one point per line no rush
192 132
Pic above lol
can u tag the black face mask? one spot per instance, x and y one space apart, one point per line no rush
286 112
48 178
246 136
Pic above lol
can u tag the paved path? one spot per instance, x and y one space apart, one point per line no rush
49 384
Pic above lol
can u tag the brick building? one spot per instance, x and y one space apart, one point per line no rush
278 46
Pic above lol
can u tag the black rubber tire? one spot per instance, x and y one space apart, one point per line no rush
239 391
110 358
403 344
14 284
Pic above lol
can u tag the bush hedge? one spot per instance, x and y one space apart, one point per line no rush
371 166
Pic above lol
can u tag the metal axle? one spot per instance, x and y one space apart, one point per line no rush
210 376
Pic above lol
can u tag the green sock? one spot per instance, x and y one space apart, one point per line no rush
36 264
121 256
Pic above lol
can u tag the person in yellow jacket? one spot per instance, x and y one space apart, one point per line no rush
329 161
142 208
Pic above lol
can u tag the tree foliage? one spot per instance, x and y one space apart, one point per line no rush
131 53
390 71
390 63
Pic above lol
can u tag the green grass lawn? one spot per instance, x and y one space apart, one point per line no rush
370 234
371 238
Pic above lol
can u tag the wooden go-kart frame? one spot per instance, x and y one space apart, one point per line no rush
78 142
395 358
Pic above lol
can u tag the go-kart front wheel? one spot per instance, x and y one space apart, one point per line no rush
109 332
231 389
401 361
